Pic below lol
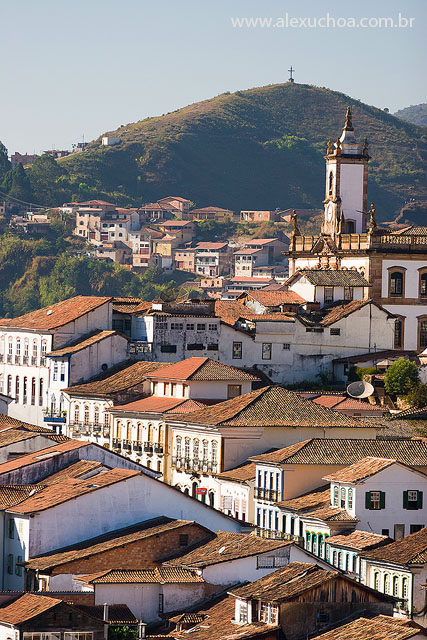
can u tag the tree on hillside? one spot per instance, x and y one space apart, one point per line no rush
49 181
5 165
401 377
20 187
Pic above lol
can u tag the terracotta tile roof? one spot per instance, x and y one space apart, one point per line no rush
331 514
360 470
328 401
117 613
11 495
342 310
332 278
271 406
211 245
260 241
100 544
249 279
71 488
348 451
77 470
210 209
247 252
37 456
123 304
275 298
286 583
83 343
242 473
378 628
57 315
411 413
12 436
188 406
201 369
27 607
153 404
224 547
360 540
217 624
409 550
7 422
119 378
188 618
159 575
307 501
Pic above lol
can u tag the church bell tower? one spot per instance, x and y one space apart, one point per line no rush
346 184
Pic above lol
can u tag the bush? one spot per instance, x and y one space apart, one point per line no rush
417 397
357 373
401 377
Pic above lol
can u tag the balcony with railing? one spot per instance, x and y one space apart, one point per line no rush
9 358
148 447
158 448
57 416
17 359
194 464
127 445
117 443
269 495
25 359
137 446
279 535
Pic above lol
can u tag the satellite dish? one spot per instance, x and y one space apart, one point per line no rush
221 550
360 389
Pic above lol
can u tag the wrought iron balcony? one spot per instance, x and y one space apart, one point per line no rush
17 359
269 495
9 358
117 443
96 427
42 361
34 360
148 447
25 359
127 444
158 448
137 446
279 535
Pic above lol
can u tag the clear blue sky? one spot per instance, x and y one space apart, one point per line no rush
74 67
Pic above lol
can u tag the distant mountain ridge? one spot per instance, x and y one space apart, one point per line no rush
417 114
259 148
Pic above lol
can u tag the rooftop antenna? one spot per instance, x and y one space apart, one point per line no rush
291 71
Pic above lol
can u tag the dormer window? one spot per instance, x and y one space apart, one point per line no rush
268 613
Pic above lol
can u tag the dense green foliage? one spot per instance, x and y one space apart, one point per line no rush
260 148
417 114
358 373
401 377
417 397
38 272
122 632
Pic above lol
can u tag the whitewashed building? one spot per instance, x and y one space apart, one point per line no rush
25 343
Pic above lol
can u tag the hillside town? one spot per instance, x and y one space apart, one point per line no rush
245 462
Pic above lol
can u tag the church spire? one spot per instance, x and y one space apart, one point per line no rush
348 124
349 144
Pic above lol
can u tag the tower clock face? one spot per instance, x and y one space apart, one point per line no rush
330 213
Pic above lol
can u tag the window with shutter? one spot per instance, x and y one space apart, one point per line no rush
412 499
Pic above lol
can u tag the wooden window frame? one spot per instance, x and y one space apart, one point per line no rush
420 319
400 319
402 271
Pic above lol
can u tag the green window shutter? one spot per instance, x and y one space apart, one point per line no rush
382 500
405 499
420 500
368 500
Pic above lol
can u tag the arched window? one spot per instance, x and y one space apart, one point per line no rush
33 391
119 430
18 347
341 560
178 446
150 432
129 430
386 583
320 546
342 497
17 388
159 465
35 352
404 587
398 333
205 449
396 283
9 385
211 499
9 349
52 399
25 391
423 285
26 350
196 448
96 415
186 491
214 452
139 431
395 586
350 498
314 543
62 376
334 558
186 447
86 414
44 348
76 413
377 581
331 183
422 332
161 433
40 392
336 496
194 488
55 371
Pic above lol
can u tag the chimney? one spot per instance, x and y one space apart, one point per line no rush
105 616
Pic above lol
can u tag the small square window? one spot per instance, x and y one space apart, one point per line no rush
335 332
286 346
266 351
183 540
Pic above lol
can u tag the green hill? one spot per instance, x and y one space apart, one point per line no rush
417 114
260 148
